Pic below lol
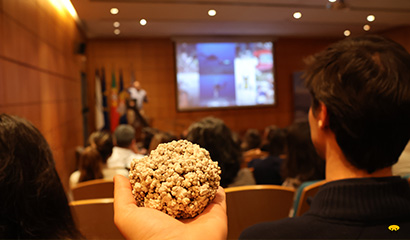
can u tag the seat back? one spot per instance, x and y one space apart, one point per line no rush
99 188
308 190
248 205
95 218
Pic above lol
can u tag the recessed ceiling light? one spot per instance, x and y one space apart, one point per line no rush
116 24
297 15
366 27
143 22
212 12
117 31
371 18
346 33
114 11
332 1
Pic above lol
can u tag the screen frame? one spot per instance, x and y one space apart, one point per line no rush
229 39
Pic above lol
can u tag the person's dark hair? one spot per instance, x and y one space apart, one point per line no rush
275 140
90 165
161 137
213 135
102 141
251 140
364 82
124 134
302 161
33 201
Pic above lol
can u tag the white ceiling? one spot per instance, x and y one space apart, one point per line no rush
173 18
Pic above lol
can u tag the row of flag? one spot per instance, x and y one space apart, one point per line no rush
110 104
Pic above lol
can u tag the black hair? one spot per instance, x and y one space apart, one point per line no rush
251 140
102 141
364 82
213 135
33 201
90 165
302 161
275 140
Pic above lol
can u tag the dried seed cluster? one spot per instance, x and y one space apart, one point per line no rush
178 178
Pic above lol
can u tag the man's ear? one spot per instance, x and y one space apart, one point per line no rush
322 116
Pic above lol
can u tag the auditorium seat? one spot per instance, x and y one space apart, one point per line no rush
248 205
99 188
306 191
95 218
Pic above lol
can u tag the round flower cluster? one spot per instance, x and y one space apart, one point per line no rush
178 178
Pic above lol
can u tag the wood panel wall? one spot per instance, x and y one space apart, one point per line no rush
152 61
40 74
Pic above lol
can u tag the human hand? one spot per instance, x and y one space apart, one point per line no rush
145 223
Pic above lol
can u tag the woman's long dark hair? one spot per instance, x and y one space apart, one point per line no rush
90 165
302 162
33 203
213 135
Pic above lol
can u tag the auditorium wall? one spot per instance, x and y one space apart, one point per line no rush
40 74
152 62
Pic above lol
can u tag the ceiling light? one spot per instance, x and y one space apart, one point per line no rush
371 18
297 15
116 24
114 11
366 27
143 22
117 31
346 33
332 1
212 12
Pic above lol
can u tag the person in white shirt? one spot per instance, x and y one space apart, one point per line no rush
139 94
125 149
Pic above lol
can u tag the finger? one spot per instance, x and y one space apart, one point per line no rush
122 192
220 198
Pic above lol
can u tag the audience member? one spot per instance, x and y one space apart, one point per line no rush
32 199
125 149
302 162
93 167
146 136
160 137
213 135
359 122
251 140
267 170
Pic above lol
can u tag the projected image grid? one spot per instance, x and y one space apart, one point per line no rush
224 74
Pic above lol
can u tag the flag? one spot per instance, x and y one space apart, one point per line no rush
115 117
122 97
99 109
104 100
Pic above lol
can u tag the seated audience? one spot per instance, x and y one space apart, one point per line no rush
302 162
213 135
160 137
267 170
32 198
251 140
359 123
93 167
125 149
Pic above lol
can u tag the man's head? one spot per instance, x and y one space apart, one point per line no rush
124 135
137 85
364 85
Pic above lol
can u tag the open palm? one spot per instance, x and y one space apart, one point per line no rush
145 223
